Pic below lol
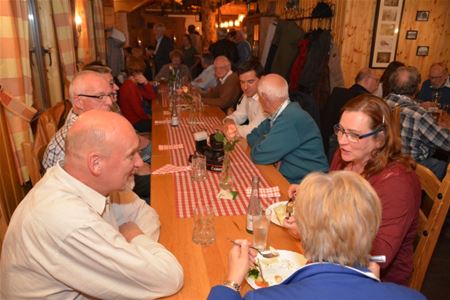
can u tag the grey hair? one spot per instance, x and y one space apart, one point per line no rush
405 81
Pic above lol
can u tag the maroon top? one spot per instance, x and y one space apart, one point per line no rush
400 195
130 100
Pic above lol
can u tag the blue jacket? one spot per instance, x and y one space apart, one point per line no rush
294 139
324 281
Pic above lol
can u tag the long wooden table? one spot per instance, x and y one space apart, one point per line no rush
204 266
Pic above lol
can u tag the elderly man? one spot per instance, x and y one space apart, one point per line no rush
67 241
420 133
437 87
164 45
289 137
91 90
226 93
249 109
366 82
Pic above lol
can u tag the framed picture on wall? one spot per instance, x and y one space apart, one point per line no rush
385 32
422 50
422 15
411 34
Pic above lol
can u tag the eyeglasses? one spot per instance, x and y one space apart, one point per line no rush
99 97
354 137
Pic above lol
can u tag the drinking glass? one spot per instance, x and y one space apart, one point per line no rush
203 232
261 229
198 167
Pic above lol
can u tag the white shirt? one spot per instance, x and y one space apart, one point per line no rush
275 115
249 109
63 243
224 78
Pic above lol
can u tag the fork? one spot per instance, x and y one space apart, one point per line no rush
265 254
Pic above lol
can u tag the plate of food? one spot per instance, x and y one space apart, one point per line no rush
279 212
274 270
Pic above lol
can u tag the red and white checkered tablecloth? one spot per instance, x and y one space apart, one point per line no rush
189 194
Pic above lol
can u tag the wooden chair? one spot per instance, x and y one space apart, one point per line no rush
33 154
432 214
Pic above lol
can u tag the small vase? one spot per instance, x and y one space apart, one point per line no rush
225 180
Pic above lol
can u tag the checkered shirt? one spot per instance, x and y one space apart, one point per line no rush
420 133
55 149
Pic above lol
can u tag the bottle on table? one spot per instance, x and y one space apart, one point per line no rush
254 207
174 121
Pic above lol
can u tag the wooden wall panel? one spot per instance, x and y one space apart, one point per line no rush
435 33
352 28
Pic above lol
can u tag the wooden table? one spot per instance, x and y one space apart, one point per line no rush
204 266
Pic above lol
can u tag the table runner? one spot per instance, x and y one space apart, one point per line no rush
189 194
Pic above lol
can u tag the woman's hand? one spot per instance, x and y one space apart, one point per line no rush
292 190
239 261
291 226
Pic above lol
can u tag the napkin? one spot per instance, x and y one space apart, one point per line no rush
169 168
159 122
170 147
270 192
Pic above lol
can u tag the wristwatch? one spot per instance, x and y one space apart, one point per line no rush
232 285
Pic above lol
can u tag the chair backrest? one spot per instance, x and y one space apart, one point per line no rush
396 119
432 214
33 154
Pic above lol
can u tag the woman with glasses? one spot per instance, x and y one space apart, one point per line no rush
370 145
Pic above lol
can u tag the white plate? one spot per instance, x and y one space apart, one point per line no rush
273 216
283 266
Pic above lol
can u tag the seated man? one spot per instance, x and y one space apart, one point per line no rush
249 109
207 79
227 91
89 91
366 82
289 137
437 87
421 134
67 240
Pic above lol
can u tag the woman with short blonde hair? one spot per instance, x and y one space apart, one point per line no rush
338 215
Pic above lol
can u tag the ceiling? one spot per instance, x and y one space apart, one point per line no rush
129 5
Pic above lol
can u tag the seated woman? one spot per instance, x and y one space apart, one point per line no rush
175 66
133 92
369 144
337 215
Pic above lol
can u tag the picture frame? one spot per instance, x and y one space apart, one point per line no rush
422 15
411 34
386 32
422 50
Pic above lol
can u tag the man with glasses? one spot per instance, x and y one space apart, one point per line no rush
226 93
421 134
289 137
437 87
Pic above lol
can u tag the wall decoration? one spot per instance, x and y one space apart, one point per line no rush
422 15
385 32
411 34
422 50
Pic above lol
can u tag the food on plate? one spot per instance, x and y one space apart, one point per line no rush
280 211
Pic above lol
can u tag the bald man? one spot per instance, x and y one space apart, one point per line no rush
289 137
438 82
67 241
226 93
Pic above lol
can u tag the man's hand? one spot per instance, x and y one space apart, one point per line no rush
130 230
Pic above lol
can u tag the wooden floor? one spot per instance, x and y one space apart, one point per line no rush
437 282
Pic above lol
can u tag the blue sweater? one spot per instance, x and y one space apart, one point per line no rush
324 281
294 139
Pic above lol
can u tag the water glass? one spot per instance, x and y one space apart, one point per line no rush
203 232
198 167
261 229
